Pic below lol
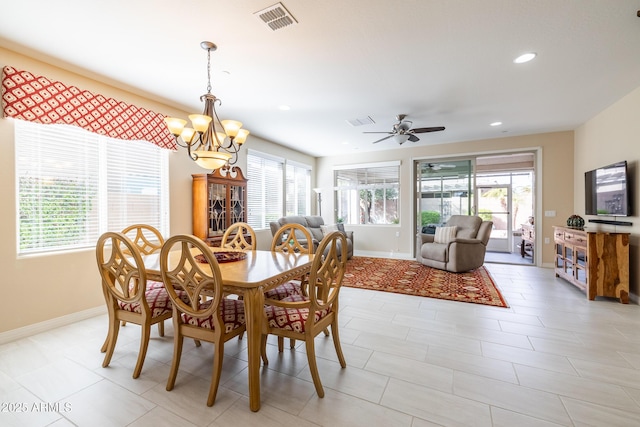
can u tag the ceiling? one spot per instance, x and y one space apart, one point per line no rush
442 62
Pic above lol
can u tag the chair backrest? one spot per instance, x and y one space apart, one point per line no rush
468 225
239 230
292 238
325 278
124 277
147 238
193 277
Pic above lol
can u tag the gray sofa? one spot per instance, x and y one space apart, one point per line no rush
314 224
463 251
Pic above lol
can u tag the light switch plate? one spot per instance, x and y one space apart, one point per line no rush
549 213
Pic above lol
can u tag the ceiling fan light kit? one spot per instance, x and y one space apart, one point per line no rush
402 131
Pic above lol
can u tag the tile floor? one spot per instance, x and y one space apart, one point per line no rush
552 358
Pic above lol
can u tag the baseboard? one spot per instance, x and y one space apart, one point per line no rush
378 254
47 325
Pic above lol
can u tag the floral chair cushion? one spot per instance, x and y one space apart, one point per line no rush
231 311
157 298
292 319
285 290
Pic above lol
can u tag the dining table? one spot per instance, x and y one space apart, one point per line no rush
251 276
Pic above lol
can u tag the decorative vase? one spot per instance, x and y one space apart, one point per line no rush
575 221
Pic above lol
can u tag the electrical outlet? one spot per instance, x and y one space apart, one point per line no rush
397 234
546 241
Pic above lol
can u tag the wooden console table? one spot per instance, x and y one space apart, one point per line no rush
595 262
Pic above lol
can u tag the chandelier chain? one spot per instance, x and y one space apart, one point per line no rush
208 70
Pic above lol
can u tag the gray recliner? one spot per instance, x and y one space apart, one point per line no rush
463 252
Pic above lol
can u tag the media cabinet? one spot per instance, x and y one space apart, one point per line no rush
595 262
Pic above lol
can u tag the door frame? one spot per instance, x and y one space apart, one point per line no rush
536 150
494 244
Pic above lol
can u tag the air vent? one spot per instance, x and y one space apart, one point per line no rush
276 17
362 121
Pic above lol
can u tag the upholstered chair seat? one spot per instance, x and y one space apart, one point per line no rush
231 311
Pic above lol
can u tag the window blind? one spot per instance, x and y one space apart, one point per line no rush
265 176
72 185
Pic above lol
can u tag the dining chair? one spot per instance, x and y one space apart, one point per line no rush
303 317
148 240
235 237
128 299
289 238
215 320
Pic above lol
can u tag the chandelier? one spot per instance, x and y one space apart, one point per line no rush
211 143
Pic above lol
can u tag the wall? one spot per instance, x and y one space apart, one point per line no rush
556 154
609 137
54 288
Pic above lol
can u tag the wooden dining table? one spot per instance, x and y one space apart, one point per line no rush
260 271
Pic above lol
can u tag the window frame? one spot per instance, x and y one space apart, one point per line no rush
341 199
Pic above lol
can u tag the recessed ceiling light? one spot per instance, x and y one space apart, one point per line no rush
495 124
525 57
284 108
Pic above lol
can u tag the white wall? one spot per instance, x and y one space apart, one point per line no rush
611 136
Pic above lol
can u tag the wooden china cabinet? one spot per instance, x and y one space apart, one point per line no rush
219 200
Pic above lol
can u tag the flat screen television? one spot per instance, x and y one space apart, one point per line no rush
607 191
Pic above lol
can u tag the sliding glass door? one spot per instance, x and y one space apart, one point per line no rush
443 189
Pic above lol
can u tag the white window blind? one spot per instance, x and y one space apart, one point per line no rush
73 185
265 176
298 187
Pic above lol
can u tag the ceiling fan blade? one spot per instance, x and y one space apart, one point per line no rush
380 140
389 133
431 129
413 138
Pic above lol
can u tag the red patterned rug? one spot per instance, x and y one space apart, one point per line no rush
412 278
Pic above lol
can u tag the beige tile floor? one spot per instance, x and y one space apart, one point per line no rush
552 358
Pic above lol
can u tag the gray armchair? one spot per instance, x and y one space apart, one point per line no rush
314 224
461 251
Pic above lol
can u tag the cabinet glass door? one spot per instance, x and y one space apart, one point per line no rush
237 204
217 208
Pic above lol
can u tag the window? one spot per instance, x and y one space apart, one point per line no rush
276 187
73 185
264 189
368 194
298 186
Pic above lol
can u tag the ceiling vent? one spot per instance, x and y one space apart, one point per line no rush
276 17
361 121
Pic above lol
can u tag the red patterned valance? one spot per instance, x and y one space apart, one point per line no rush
38 99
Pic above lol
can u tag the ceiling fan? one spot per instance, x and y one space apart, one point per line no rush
438 166
402 131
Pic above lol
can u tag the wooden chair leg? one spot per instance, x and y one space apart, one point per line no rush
110 343
263 349
313 367
175 363
336 344
215 376
144 344
161 328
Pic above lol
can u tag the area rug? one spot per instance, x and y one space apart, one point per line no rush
412 278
